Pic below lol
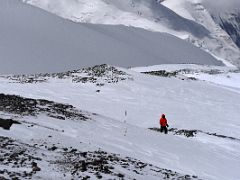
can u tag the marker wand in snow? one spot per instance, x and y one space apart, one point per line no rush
125 121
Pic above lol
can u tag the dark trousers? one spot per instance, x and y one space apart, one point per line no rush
164 128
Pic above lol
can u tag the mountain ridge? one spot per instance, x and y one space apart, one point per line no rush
161 16
43 42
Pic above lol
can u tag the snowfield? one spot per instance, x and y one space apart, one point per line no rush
111 113
59 120
226 76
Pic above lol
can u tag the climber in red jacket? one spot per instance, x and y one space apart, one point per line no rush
163 124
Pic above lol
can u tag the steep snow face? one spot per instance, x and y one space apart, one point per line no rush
221 44
210 110
230 22
132 13
186 19
227 15
36 41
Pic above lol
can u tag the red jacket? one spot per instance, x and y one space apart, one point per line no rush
163 121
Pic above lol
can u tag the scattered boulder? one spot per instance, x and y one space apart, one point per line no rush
193 133
35 167
162 73
7 123
187 133
99 75
100 163
33 107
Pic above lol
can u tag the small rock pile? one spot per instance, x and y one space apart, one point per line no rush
14 155
98 75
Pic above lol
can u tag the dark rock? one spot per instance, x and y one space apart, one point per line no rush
86 177
162 73
84 154
83 166
7 123
35 167
34 107
98 175
53 148
120 175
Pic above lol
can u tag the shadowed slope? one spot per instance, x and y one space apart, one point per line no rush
35 41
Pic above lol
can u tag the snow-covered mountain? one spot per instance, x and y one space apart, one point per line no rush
37 41
202 11
231 24
187 19
227 15
102 122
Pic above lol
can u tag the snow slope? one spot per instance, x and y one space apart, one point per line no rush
201 11
225 76
110 92
227 15
186 19
36 41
